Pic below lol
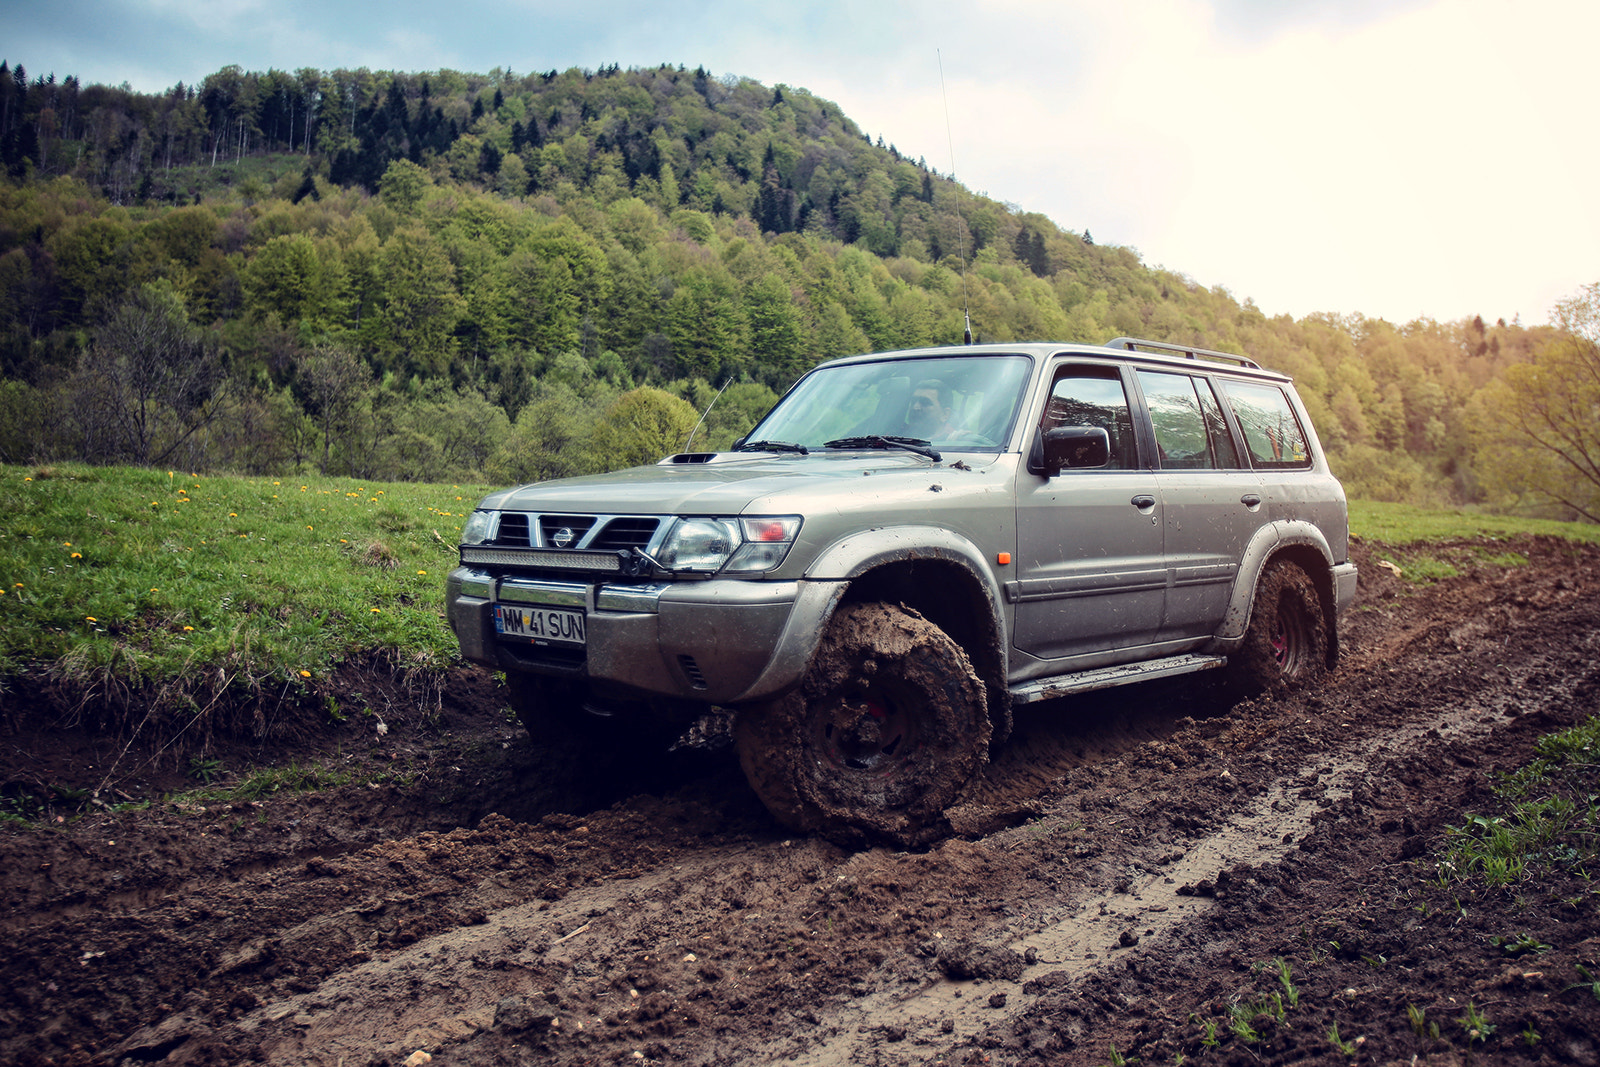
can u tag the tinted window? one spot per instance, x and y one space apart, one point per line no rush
1086 396
1190 430
1272 434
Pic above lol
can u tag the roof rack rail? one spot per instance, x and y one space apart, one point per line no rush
1133 344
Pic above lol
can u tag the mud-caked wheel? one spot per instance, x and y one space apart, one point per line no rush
1287 641
887 730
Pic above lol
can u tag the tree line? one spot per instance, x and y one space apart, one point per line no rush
447 276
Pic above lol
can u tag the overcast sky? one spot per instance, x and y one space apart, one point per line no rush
1397 158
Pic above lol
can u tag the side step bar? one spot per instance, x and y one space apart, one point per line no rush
1106 677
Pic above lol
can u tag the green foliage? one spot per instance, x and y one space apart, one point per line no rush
641 427
661 227
1476 1025
1551 820
1544 444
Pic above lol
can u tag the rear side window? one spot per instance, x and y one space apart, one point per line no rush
1272 434
1190 430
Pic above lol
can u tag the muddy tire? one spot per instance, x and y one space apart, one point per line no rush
1287 642
888 728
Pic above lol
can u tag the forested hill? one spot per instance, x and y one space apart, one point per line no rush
449 276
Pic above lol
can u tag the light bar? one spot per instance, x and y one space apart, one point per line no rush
573 561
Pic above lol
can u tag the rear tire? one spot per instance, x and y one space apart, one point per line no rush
888 729
1287 642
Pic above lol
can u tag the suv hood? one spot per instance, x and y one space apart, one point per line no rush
758 484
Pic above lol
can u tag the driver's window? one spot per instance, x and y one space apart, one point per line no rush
1090 396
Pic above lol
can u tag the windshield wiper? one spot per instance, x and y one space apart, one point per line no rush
773 446
905 444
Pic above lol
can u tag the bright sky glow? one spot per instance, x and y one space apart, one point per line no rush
1398 158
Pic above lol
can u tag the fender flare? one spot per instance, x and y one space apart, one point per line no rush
826 580
1267 543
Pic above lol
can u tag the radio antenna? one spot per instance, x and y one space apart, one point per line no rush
966 303
706 412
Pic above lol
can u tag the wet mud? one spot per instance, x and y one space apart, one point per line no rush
1137 874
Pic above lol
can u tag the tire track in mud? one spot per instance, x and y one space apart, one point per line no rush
1140 917
680 926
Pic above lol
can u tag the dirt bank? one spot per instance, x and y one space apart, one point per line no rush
1131 868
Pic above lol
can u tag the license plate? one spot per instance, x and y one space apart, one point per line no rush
555 626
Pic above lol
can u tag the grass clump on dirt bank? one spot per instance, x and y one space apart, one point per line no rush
182 587
1424 544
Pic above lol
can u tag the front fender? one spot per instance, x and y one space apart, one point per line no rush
851 557
858 553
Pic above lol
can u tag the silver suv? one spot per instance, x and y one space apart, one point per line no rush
906 547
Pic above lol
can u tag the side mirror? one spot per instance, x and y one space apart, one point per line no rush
1075 447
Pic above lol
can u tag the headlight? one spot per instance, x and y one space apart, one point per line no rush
479 527
729 545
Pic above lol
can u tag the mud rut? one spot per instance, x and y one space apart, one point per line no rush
1127 862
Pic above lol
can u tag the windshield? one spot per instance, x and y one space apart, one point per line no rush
953 402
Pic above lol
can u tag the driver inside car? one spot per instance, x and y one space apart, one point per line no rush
928 414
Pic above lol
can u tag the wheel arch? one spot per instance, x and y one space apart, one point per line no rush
1302 544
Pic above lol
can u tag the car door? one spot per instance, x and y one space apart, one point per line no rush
1212 503
1090 576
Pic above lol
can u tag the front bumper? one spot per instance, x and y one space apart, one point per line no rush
720 641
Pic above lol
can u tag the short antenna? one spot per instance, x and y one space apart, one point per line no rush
966 304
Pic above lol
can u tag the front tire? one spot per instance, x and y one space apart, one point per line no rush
1287 641
888 728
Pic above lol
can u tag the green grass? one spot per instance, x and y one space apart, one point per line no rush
1400 525
123 577
1550 820
131 577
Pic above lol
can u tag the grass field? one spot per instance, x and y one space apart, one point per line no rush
140 575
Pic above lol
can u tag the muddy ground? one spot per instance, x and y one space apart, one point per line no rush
1131 869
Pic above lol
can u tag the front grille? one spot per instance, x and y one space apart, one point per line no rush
563 531
626 533
513 530
560 541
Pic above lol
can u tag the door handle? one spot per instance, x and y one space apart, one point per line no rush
1143 501
1250 500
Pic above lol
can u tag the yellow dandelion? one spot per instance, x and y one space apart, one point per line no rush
77 555
277 483
154 589
17 584
67 543
233 514
422 572
377 611
305 674
90 618
188 629
308 527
